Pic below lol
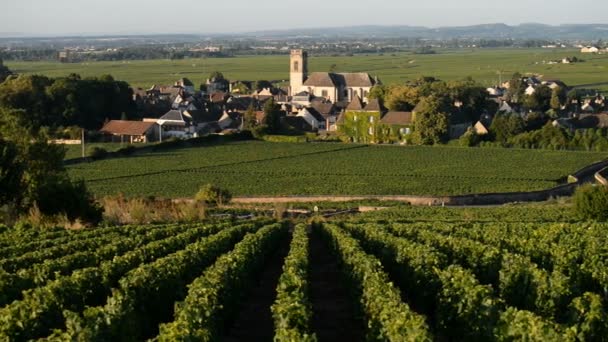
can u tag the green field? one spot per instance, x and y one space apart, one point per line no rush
481 64
262 168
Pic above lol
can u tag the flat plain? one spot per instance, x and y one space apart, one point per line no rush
256 168
484 65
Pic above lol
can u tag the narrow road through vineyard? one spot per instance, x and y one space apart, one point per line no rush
334 316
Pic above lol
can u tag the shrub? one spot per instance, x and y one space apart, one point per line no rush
127 151
97 153
213 195
591 202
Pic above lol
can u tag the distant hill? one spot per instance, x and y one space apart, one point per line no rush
486 31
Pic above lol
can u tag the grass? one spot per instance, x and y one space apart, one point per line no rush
481 64
263 168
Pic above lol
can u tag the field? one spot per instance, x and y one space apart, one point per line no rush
262 168
419 274
481 64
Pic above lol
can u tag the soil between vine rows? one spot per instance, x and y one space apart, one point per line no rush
334 317
254 321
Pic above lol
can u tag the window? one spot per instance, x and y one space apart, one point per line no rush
405 130
371 119
296 66
370 131
365 93
355 118
324 93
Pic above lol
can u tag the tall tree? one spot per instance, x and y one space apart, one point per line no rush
506 126
272 116
430 123
4 71
517 88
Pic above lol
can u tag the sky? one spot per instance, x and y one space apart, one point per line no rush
71 17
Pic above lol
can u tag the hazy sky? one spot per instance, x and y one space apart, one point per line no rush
213 16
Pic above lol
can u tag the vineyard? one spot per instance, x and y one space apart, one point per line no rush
385 276
281 169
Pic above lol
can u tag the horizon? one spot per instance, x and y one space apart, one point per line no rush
25 35
37 18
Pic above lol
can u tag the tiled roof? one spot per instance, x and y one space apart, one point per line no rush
325 109
397 118
359 79
124 127
373 106
320 79
355 104
173 115
326 79
315 114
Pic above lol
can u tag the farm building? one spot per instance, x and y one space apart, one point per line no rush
131 131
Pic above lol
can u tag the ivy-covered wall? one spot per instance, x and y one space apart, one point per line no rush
359 128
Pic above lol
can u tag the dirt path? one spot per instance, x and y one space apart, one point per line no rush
254 321
333 312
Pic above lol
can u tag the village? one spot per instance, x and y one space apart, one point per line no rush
345 106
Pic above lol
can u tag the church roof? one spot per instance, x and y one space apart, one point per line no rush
320 79
327 79
359 79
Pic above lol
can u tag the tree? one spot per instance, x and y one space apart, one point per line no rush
430 123
591 202
401 97
378 92
216 76
517 88
4 72
213 195
32 174
272 116
262 84
506 126
250 119
539 100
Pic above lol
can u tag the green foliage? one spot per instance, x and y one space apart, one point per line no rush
146 294
97 153
517 325
505 126
5 72
213 195
65 102
33 175
86 285
430 124
272 116
263 168
213 297
540 100
292 311
380 302
589 318
261 84
591 202
469 139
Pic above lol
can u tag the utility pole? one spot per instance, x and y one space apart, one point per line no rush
82 141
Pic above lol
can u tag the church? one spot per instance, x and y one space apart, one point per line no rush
334 87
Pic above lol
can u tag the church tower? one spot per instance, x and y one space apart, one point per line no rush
298 71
